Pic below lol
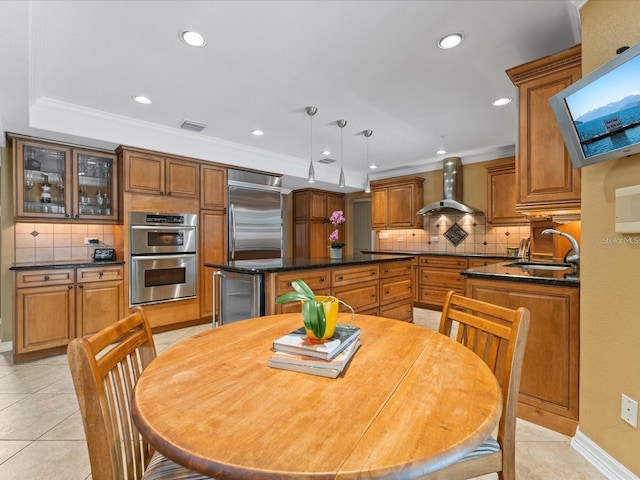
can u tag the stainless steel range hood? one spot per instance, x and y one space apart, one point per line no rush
452 186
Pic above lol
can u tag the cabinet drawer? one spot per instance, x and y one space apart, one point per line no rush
41 278
445 262
296 307
436 295
99 274
350 275
361 297
483 262
316 279
393 290
394 269
402 310
441 277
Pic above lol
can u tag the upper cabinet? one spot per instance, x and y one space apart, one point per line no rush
58 181
547 180
157 174
502 194
395 203
213 187
312 209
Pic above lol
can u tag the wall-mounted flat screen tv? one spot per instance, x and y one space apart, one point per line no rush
599 115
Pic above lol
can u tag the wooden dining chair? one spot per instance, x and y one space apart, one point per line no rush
105 368
498 335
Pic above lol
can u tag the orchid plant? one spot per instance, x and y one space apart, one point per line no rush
336 218
313 314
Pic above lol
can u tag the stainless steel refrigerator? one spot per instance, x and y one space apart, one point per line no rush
255 234
254 215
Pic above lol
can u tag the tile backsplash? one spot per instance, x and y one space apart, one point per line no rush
480 238
54 242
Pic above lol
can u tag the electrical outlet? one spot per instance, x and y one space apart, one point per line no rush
383 235
434 239
629 411
400 239
91 241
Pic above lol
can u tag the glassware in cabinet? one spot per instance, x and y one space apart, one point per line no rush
44 174
96 185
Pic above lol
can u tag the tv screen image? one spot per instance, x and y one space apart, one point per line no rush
599 115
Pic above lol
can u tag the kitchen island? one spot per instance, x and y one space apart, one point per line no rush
371 284
550 370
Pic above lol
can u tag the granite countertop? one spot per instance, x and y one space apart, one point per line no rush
503 271
437 254
283 264
65 264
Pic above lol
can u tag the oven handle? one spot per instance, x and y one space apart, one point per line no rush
161 228
233 232
161 257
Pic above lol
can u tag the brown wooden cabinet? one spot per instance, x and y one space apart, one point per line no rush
100 298
312 209
213 187
153 173
395 203
550 371
396 290
502 195
54 306
318 279
547 180
59 182
438 275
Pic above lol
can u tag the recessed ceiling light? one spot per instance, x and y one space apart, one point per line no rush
442 151
373 166
257 133
502 101
325 152
142 99
450 40
193 39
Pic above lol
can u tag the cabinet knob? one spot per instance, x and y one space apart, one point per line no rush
386 270
101 274
322 279
79 286
46 277
71 286
373 272
387 292
66 215
340 277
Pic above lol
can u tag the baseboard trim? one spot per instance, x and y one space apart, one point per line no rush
600 459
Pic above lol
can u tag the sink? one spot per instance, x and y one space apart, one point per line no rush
541 266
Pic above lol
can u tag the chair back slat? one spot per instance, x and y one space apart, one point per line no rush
105 369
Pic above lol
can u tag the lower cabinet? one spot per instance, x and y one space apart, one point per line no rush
54 306
550 371
438 275
384 288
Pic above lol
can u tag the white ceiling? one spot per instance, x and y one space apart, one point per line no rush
68 70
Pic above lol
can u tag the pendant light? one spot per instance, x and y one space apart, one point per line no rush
341 124
367 134
311 111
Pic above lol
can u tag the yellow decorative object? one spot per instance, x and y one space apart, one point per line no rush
330 306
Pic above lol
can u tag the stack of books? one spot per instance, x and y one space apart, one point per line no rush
294 352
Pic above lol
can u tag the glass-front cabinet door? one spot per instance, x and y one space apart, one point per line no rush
59 182
45 180
95 185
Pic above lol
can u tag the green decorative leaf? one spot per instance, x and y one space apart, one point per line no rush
321 325
302 292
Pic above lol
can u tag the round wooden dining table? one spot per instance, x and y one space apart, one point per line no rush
410 401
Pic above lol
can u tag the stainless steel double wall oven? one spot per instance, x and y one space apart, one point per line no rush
164 261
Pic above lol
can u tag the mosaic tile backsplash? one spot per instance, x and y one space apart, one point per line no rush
480 238
53 242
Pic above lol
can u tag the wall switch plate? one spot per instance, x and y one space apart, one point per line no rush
383 235
91 241
400 239
434 239
629 411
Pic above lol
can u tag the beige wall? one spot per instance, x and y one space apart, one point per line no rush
7 243
610 268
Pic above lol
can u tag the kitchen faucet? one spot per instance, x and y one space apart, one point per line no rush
573 259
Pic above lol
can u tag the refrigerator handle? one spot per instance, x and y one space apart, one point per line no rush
232 219
216 282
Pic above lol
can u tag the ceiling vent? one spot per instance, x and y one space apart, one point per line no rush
193 126
327 161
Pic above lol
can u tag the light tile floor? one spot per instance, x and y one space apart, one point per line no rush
41 435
